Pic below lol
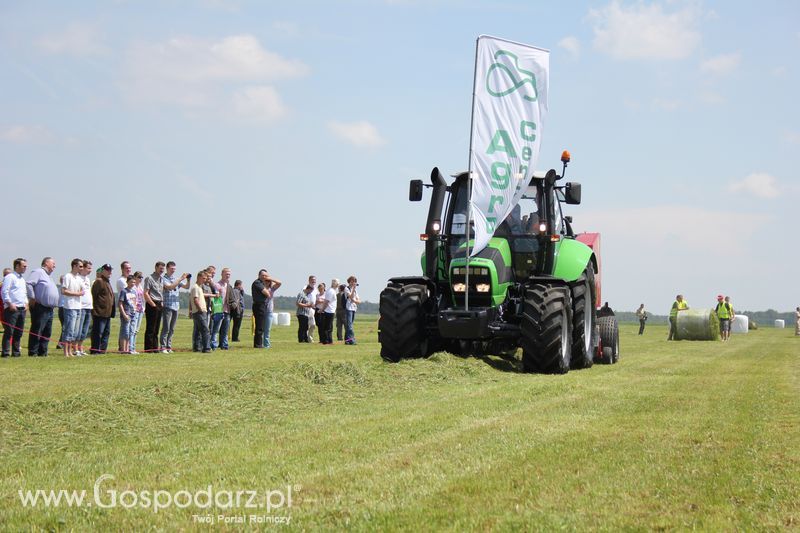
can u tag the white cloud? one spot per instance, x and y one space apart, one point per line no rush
759 184
645 31
76 40
22 134
721 65
196 73
571 44
259 103
360 134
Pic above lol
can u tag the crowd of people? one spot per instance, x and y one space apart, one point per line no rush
86 308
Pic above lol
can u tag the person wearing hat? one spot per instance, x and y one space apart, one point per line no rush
724 313
102 309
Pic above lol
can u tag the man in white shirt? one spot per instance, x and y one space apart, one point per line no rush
72 289
328 313
15 301
312 325
86 306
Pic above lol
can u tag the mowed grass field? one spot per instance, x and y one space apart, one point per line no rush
678 435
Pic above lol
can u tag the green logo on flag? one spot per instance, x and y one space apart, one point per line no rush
505 76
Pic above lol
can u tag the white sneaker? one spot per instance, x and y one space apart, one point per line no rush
164 351
134 352
169 350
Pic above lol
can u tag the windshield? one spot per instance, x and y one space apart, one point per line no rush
524 218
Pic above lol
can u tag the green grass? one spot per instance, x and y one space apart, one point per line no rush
678 435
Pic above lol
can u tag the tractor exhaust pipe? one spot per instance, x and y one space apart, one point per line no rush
433 228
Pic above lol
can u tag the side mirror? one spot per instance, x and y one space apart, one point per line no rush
572 193
415 191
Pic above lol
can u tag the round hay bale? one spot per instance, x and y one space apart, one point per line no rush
698 325
740 324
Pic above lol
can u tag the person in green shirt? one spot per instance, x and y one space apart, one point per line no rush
678 305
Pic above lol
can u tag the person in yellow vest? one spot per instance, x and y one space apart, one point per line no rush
678 305
725 314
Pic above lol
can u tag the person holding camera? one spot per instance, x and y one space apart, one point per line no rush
641 314
351 293
169 315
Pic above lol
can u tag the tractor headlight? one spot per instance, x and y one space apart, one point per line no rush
482 287
459 287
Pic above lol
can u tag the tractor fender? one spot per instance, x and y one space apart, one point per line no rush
572 257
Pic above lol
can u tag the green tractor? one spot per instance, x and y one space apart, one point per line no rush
535 286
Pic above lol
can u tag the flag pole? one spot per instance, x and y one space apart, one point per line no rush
469 175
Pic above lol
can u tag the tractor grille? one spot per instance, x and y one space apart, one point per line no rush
477 299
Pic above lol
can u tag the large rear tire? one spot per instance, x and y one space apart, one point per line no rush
547 330
584 318
402 322
609 338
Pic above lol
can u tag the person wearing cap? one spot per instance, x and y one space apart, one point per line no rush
724 313
103 309
677 306
15 298
42 299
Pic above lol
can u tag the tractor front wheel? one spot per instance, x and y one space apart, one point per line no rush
402 322
584 316
547 330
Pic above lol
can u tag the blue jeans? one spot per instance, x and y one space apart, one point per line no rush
168 319
100 331
136 321
267 326
349 335
72 324
223 330
41 329
216 326
86 322
201 340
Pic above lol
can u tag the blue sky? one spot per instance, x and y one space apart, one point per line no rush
249 135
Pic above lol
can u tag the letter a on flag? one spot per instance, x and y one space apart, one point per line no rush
508 109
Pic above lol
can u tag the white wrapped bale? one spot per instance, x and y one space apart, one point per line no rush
284 319
780 323
740 324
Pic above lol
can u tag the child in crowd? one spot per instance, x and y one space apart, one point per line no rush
127 310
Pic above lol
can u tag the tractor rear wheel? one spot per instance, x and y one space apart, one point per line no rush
584 317
609 338
402 322
547 330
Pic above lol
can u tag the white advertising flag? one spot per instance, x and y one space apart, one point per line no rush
509 106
